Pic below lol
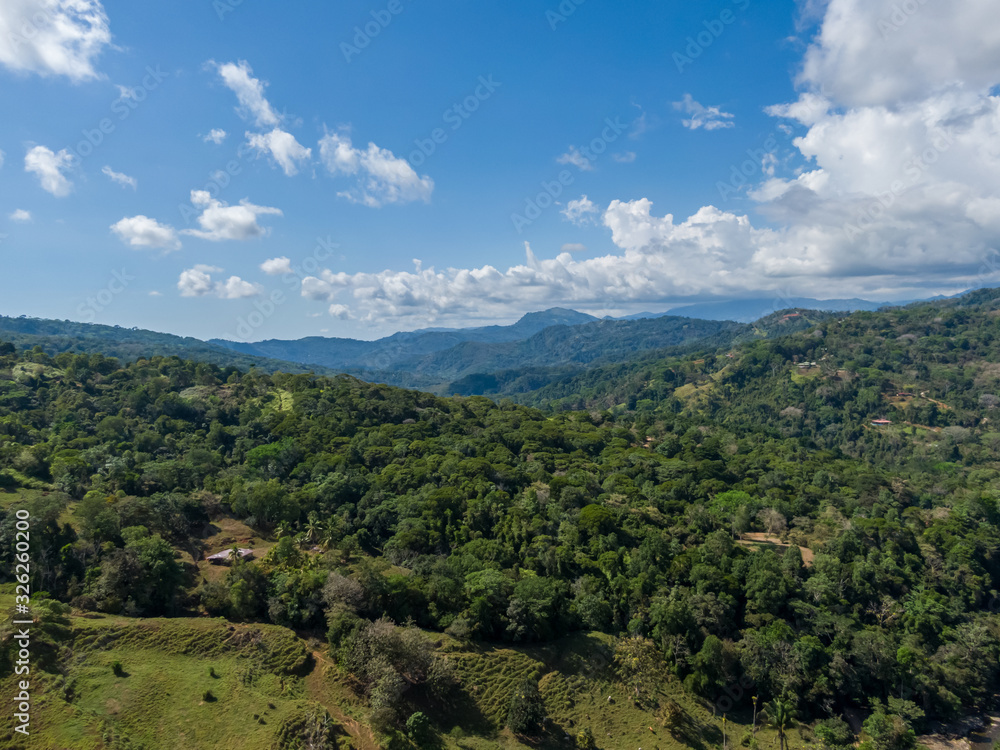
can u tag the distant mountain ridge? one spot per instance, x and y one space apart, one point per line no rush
384 354
538 349
750 310
129 344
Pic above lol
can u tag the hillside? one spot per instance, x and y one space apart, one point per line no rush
388 354
129 344
737 525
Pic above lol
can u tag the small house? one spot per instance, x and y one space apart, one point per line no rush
226 555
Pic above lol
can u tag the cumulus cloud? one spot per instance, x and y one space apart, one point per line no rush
216 136
238 77
709 118
144 232
277 144
660 259
49 167
220 221
276 266
53 37
382 177
20 215
885 53
578 160
198 282
893 194
122 179
282 147
581 211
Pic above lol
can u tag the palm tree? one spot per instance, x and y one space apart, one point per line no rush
314 529
780 716
330 538
283 529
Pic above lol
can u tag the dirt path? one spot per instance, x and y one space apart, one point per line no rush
923 395
361 736
758 537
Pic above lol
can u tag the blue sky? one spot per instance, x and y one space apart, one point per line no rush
256 170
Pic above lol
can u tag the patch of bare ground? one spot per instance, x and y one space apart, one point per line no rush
755 538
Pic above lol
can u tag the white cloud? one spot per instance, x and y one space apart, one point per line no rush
276 266
895 194
885 52
197 282
341 312
53 37
282 147
122 179
624 158
49 167
143 232
2 155
578 160
574 247
709 118
216 136
238 77
20 215
581 211
220 221
382 177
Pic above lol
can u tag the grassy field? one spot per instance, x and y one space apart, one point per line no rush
196 683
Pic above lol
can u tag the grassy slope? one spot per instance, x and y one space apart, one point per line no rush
159 702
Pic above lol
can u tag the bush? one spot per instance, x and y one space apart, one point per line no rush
418 727
208 697
526 709
118 669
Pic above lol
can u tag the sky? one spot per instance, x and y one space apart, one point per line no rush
249 170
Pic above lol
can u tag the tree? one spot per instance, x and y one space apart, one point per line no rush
780 716
636 660
526 710
418 727
835 734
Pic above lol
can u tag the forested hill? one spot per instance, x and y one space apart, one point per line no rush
739 520
387 354
555 338
127 344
